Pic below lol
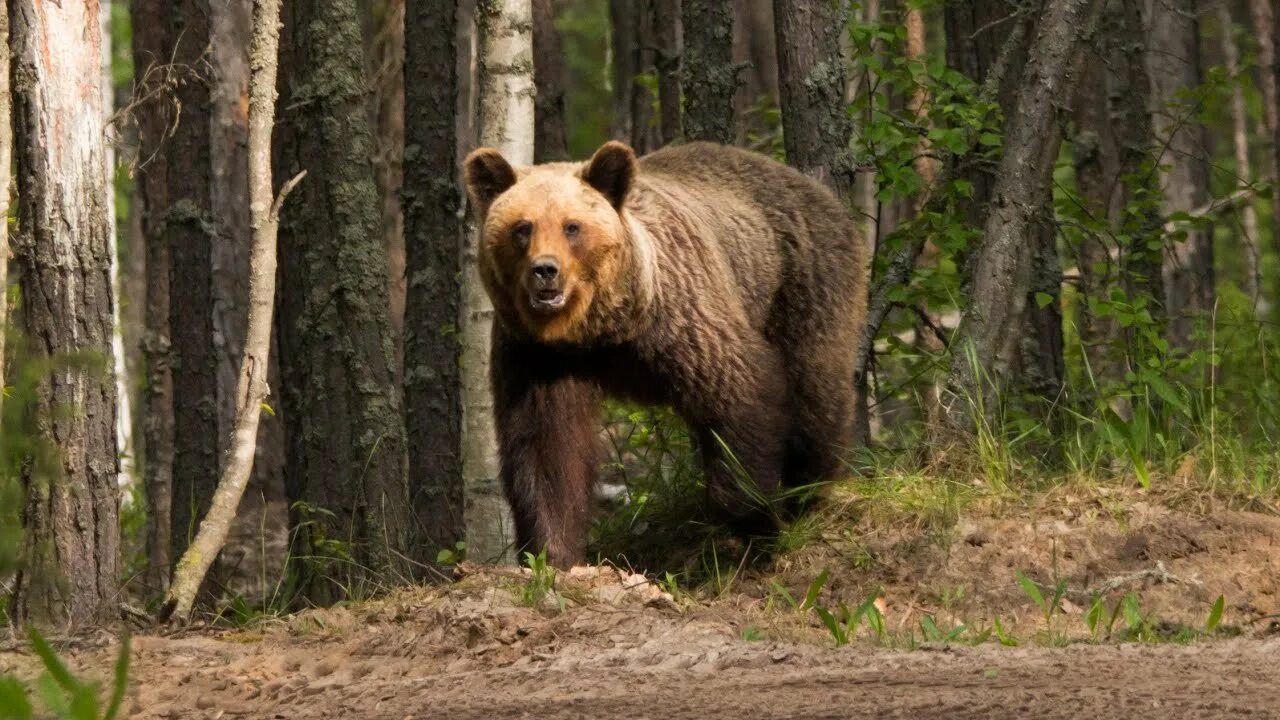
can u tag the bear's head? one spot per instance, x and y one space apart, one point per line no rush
558 253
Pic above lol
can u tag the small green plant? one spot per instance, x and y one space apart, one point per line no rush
454 555
843 623
751 633
63 695
1215 615
1048 605
541 582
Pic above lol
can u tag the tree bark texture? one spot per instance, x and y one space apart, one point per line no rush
623 41
190 230
1173 62
667 33
506 123
433 244
252 389
1002 267
811 88
346 432
709 75
6 161
151 53
387 79
62 254
550 143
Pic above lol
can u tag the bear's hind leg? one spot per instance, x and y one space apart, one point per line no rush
743 446
822 406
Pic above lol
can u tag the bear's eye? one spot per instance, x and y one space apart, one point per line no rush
521 232
571 229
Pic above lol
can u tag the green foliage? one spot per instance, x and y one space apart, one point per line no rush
541 582
62 694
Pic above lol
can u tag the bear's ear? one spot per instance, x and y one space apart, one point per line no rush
611 171
488 175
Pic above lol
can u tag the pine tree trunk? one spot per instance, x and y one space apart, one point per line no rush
644 129
1174 63
346 432
189 228
387 78
667 33
709 76
506 123
1002 266
622 55
151 50
811 89
62 255
433 242
550 143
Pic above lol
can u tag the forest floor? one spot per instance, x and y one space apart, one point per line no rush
609 643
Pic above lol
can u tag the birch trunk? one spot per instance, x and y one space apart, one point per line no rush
71 547
506 123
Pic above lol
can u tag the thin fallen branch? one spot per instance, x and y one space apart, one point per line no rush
265 220
1157 573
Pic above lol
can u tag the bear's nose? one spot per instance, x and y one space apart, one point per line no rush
545 269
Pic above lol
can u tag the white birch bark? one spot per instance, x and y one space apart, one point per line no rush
506 123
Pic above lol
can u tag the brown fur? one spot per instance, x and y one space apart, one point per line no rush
705 277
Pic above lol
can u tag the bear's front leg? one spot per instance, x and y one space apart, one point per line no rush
548 424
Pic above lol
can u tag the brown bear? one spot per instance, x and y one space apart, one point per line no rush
708 278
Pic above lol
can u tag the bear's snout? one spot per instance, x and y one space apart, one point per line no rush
546 287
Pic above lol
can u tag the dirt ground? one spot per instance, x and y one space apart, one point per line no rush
610 643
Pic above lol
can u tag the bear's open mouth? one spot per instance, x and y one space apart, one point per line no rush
547 301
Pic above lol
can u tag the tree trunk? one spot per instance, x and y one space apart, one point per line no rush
257 546
189 227
387 79
346 432
622 54
506 123
1240 146
433 243
6 161
644 129
709 75
252 390
667 34
1173 61
1264 17
71 547
755 49
151 52
1002 265
1097 167
811 88
550 143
